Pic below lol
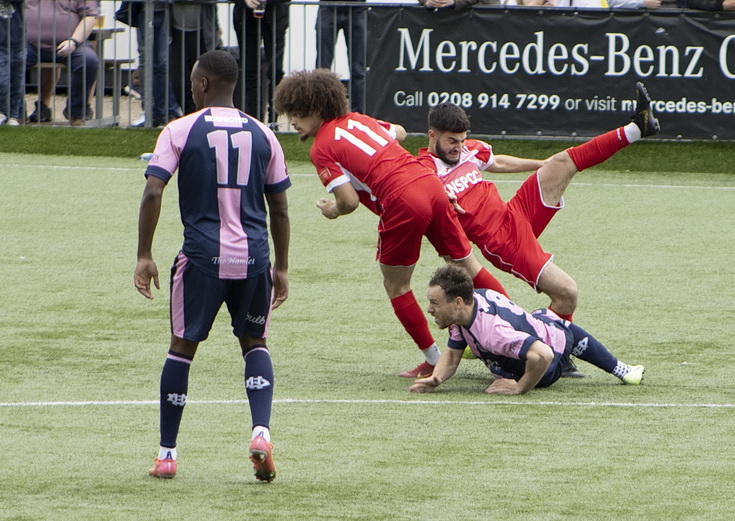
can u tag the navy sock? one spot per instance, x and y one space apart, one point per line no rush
174 386
259 385
588 348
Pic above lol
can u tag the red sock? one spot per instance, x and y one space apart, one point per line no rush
598 149
568 316
412 317
486 280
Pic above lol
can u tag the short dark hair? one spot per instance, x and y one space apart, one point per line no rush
220 66
448 117
305 93
455 281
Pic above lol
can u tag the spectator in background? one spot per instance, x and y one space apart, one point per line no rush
634 4
194 31
460 4
352 21
255 28
708 5
12 62
164 107
58 33
604 4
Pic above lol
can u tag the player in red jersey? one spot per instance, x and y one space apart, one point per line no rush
358 159
507 233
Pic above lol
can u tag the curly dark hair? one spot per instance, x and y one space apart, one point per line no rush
305 93
220 66
455 281
447 117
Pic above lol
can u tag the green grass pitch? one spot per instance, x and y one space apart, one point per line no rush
81 353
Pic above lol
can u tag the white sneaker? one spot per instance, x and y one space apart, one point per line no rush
634 376
140 122
13 122
132 93
3 118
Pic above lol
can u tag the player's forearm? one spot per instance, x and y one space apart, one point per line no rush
147 222
447 364
510 164
281 233
150 211
280 228
538 359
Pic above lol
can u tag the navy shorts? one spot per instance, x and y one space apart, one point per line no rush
196 299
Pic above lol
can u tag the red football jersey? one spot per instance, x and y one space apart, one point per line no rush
363 151
479 198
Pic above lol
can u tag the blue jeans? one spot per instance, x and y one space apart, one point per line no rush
83 67
352 22
12 64
159 55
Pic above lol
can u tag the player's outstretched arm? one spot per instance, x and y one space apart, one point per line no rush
511 164
150 210
444 370
280 226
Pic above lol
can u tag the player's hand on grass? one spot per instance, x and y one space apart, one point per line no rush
504 386
328 208
425 385
146 270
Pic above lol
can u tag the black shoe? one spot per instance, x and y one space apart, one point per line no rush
42 114
569 370
643 115
89 112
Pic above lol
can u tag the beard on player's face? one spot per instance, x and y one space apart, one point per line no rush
443 154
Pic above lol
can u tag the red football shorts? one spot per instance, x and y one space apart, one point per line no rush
422 209
514 248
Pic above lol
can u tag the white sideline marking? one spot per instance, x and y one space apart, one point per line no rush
380 402
141 169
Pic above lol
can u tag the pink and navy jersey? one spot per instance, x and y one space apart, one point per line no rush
363 151
227 161
478 197
502 332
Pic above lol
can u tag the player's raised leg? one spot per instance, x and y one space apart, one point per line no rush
555 175
561 288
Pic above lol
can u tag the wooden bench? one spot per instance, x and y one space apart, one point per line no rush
109 76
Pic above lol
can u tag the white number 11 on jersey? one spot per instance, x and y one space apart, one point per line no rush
379 140
243 142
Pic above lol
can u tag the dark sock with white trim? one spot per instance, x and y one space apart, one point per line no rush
588 348
174 386
259 385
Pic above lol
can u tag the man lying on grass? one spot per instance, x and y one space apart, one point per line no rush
523 350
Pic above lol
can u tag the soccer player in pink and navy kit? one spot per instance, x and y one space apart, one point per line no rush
230 166
523 350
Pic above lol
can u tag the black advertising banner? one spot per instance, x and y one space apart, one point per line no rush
553 72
